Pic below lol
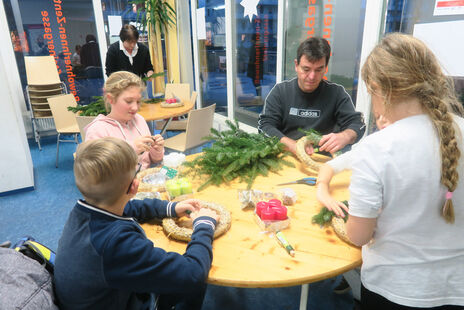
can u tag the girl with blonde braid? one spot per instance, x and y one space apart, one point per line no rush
406 196
122 94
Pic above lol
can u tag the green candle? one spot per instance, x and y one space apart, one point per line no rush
185 187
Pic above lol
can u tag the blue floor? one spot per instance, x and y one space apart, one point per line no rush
43 211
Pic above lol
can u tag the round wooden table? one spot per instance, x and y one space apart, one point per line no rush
155 112
247 257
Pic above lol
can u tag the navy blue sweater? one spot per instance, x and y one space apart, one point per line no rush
105 261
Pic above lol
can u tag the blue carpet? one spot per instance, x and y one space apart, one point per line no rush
41 213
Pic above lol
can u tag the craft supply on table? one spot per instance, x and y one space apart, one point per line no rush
308 181
151 180
288 196
170 173
144 195
283 241
173 160
178 187
249 198
271 215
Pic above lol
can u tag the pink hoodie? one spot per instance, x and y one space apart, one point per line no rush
103 126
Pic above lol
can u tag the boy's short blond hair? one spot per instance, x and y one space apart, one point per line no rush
103 169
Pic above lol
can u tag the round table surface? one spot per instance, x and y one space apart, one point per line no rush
154 111
245 256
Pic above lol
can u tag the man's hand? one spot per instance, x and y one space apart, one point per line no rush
290 145
334 142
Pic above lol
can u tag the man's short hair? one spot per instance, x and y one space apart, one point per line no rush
314 48
129 33
103 168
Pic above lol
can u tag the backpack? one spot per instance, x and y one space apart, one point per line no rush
25 280
37 251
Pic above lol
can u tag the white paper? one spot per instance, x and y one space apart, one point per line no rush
201 24
115 24
439 38
448 7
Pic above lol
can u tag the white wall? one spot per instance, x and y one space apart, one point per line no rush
16 169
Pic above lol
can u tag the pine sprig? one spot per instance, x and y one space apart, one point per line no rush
325 216
237 154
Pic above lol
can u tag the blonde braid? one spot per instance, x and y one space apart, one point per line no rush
450 153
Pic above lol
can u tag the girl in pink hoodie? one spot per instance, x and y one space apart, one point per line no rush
122 93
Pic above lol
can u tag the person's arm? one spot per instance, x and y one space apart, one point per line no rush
148 66
334 142
111 62
360 230
147 209
271 118
366 192
132 262
323 192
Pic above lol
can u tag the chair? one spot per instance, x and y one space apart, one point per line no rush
65 121
180 90
43 81
199 123
82 122
181 123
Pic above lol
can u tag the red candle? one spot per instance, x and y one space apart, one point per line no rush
280 213
260 206
267 214
274 203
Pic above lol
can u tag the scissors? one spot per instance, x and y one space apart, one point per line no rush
308 181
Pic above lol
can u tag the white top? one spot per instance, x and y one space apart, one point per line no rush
342 162
416 258
131 55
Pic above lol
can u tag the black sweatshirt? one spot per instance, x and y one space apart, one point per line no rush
116 60
327 109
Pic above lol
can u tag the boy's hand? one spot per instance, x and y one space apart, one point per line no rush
205 212
191 205
158 142
142 144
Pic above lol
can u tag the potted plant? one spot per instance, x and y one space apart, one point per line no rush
156 16
87 113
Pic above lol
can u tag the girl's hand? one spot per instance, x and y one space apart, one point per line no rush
158 143
142 144
191 205
328 201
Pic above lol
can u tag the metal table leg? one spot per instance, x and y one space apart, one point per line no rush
304 296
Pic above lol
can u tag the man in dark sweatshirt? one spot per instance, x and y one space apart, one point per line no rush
309 102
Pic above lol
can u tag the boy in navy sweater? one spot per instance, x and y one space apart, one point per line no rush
104 259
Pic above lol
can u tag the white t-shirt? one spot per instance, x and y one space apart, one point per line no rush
342 162
415 258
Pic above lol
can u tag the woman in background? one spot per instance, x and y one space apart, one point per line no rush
128 55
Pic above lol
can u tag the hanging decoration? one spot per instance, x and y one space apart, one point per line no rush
250 8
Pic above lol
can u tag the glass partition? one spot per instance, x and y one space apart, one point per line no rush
256 55
65 30
341 23
212 54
